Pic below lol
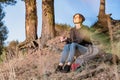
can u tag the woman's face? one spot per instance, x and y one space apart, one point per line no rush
77 19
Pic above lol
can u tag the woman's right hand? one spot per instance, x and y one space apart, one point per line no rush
62 39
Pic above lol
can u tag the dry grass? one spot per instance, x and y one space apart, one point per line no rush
29 66
8 74
40 65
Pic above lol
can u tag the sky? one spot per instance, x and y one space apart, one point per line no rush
64 11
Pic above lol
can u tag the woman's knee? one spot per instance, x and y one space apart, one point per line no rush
66 46
73 45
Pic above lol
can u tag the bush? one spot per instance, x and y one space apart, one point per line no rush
62 29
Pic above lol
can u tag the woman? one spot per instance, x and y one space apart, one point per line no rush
79 38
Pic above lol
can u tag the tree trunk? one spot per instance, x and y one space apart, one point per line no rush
102 17
48 23
31 20
102 8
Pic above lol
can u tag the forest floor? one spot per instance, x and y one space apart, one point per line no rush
41 65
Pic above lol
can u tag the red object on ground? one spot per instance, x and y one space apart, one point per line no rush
74 66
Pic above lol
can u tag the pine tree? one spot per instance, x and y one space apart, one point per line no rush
3 29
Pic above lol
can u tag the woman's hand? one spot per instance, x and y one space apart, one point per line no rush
62 39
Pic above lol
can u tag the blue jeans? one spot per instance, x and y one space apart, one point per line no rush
69 52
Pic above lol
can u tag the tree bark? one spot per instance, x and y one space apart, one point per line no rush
48 23
102 17
31 20
102 8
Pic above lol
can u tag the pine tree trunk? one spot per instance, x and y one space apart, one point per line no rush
31 20
102 17
102 8
48 23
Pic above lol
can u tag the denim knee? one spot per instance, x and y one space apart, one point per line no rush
66 47
73 44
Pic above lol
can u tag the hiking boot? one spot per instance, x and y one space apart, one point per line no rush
59 68
66 69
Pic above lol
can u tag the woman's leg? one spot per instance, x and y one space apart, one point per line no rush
65 53
70 58
63 58
73 48
82 49
71 53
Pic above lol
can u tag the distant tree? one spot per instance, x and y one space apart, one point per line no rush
48 23
3 29
11 50
8 2
13 44
31 20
